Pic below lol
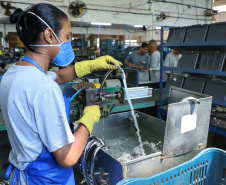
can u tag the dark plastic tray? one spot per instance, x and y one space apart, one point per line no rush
196 33
211 61
188 60
194 84
215 89
176 34
217 32
203 61
174 80
218 62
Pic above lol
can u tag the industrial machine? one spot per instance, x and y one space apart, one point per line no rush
113 152
110 94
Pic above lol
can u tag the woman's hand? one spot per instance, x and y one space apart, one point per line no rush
104 62
90 116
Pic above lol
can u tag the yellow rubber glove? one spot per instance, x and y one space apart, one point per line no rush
90 116
88 66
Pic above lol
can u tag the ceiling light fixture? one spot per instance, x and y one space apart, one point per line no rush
138 26
100 23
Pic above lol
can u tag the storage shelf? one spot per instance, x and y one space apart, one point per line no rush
198 46
198 71
150 82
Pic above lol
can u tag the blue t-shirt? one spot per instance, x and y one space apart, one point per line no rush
137 59
34 113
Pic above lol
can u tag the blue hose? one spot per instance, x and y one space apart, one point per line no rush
69 83
75 94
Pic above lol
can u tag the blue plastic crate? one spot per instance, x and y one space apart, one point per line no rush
105 52
109 44
206 168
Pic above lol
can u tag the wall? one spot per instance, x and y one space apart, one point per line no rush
128 12
221 17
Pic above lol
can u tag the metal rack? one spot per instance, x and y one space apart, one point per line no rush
191 46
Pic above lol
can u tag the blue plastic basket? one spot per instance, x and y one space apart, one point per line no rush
206 168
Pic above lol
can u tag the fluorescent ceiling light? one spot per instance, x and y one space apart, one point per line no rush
158 28
130 40
138 26
220 8
100 23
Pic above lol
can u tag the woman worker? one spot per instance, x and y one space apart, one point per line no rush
43 148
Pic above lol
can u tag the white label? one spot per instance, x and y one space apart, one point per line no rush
188 123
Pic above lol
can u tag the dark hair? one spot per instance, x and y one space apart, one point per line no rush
29 26
144 45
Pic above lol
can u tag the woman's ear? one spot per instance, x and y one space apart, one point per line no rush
48 35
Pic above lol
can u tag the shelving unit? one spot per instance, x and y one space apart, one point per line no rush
212 46
199 46
196 71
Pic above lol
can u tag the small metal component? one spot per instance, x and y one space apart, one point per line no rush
139 92
83 181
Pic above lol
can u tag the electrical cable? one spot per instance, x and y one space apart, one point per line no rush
171 2
182 4
75 94
196 12
180 16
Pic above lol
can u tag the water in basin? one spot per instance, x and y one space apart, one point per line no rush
124 144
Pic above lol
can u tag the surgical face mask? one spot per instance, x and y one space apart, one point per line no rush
66 54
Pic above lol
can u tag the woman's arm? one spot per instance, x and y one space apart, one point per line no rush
85 67
65 75
68 155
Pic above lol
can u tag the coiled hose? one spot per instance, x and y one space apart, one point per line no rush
93 146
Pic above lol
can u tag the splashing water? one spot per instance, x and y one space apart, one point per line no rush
133 116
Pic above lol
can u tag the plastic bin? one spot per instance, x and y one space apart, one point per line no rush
194 84
174 80
211 61
110 44
219 62
105 52
207 168
215 88
196 33
188 60
176 34
216 32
